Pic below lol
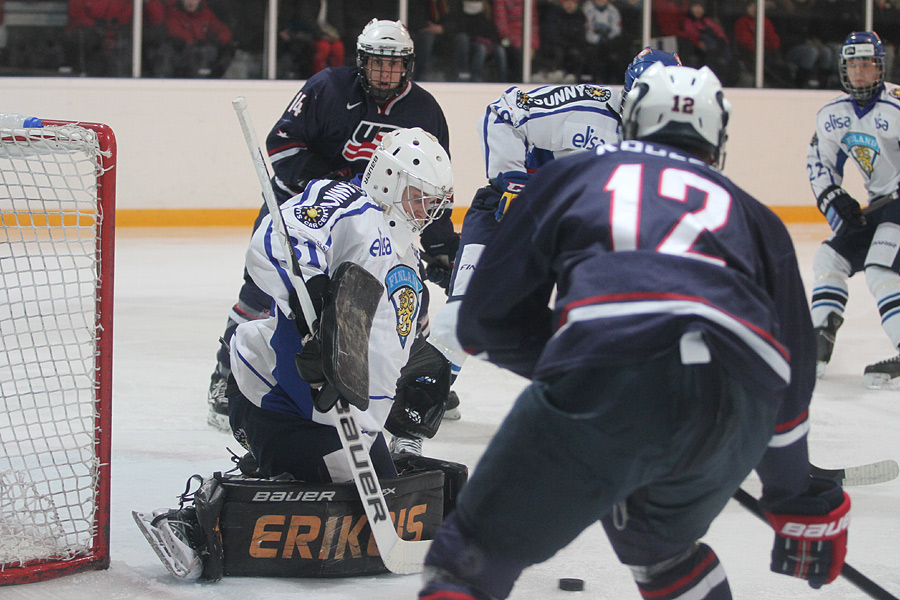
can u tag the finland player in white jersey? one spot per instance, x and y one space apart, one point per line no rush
860 127
277 389
520 132
407 184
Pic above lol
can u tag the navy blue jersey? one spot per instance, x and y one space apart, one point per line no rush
331 128
643 245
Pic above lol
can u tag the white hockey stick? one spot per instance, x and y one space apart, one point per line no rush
869 474
399 556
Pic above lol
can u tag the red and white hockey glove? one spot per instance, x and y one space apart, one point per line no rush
811 533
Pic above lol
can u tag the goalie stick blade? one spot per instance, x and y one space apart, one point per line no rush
870 474
172 552
406 557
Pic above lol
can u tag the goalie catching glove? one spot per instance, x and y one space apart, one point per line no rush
811 532
840 209
422 391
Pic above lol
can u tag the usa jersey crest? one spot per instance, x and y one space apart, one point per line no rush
404 289
364 140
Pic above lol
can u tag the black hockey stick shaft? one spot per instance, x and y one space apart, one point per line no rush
847 572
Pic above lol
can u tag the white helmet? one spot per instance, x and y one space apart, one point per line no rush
409 176
384 39
678 106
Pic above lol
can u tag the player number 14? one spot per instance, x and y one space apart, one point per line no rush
626 184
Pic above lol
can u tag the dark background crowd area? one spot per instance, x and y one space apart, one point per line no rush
456 40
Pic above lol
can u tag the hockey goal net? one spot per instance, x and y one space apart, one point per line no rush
57 215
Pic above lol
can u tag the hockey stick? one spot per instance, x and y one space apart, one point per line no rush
869 474
878 202
862 582
399 555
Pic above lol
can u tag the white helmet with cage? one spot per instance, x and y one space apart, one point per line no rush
385 40
679 106
409 176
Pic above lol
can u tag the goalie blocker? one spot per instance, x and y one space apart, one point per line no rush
288 528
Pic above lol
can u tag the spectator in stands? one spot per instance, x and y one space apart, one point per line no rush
745 45
807 59
605 42
834 18
707 44
198 44
668 16
247 20
563 45
475 41
508 15
309 43
432 27
99 36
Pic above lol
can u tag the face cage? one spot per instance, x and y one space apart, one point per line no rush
431 202
864 93
362 59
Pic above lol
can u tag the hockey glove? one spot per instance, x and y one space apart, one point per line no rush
309 363
811 532
840 209
439 254
510 184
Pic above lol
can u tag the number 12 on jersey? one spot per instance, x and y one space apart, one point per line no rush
626 185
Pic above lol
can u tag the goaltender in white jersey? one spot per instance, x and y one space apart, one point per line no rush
860 127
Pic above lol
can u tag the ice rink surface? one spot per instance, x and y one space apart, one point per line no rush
174 288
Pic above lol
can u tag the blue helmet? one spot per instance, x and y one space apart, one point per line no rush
644 59
862 45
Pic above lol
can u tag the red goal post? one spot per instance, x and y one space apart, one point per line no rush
57 241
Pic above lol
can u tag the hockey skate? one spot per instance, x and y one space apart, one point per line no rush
405 446
217 416
825 337
451 408
174 534
882 374
187 539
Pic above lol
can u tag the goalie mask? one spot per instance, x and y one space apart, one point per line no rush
384 57
862 65
681 107
641 63
409 176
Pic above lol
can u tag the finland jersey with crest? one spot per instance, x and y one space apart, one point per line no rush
329 223
333 120
522 131
868 137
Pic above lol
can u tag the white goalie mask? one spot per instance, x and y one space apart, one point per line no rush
679 106
409 176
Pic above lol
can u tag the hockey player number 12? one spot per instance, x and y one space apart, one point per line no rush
626 184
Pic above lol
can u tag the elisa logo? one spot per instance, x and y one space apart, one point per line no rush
381 246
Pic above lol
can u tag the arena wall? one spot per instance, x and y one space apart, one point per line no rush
183 161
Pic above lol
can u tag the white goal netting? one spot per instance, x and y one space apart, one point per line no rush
50 271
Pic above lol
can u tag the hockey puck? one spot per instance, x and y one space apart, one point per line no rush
571 584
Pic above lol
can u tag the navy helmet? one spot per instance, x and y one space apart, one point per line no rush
639 64
862 45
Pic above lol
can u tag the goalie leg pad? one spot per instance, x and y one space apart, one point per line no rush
455 475
288 528
422 392
208 502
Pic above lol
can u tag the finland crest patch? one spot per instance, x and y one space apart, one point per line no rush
404 289
313 217
864 150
